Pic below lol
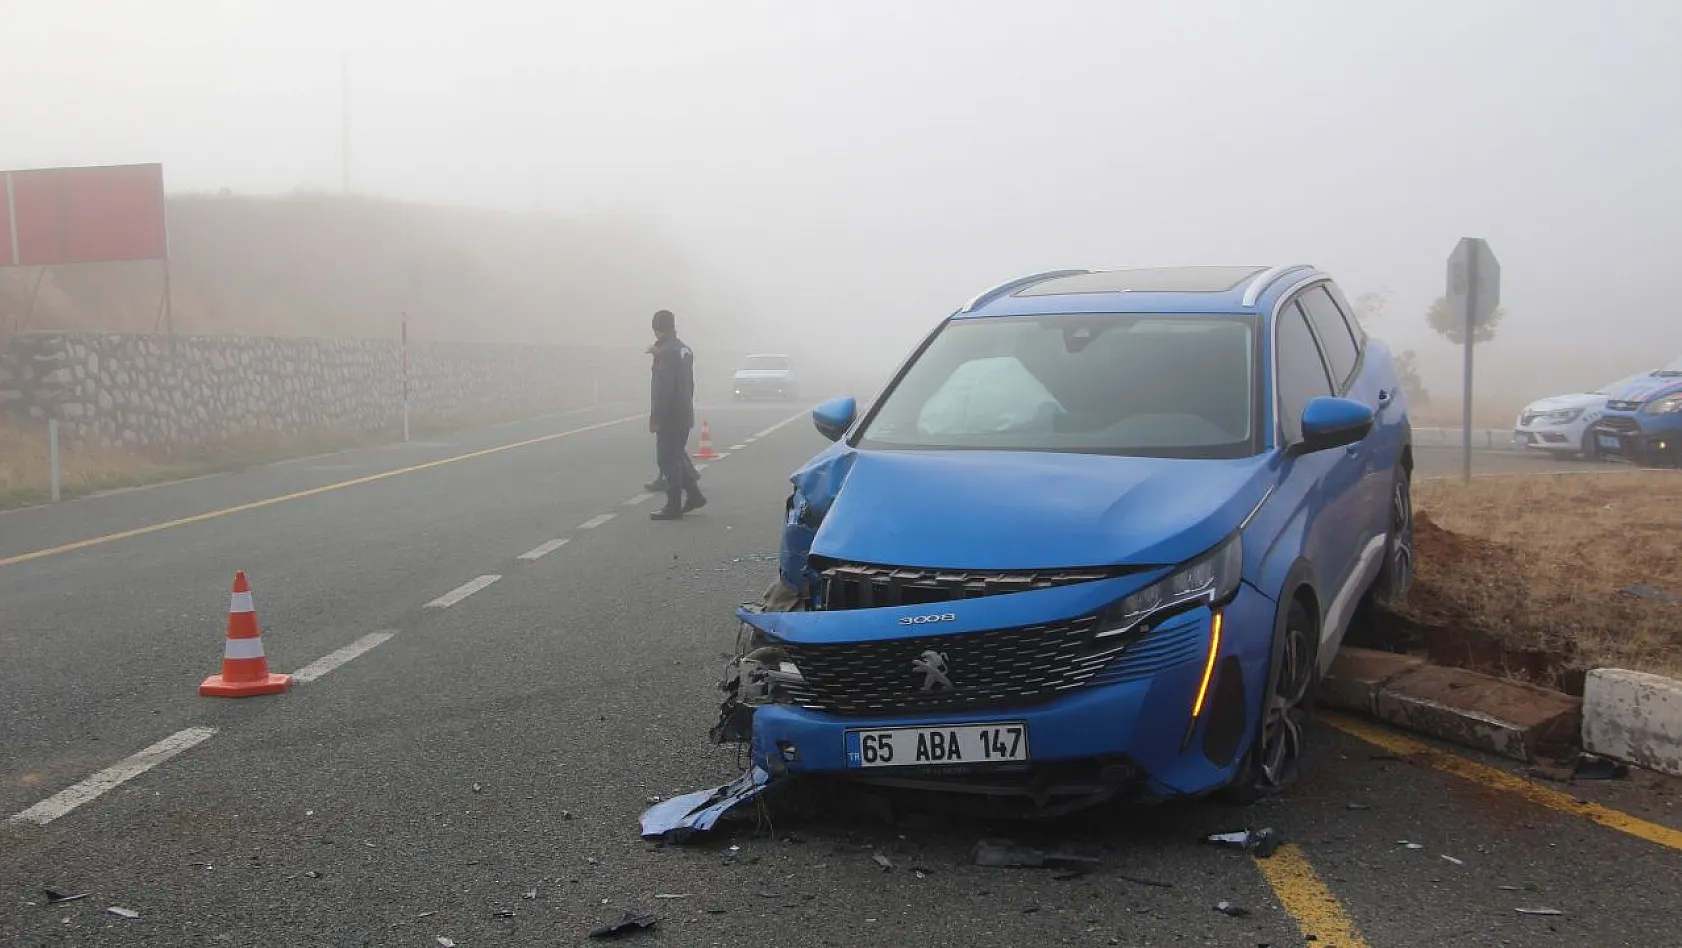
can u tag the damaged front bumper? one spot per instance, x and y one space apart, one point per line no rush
1128 730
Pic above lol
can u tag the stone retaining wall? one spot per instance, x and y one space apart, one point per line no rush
169 393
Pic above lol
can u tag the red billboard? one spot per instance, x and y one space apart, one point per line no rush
100 214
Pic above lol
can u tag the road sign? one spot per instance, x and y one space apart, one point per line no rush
1474 290
1474 280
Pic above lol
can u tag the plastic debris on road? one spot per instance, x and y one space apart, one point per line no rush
121 912
1261 843
1235 911
1539 911
1591 767
629 925
54 897
676 819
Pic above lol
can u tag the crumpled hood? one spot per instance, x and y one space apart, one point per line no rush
1646 389
978 510
1565 402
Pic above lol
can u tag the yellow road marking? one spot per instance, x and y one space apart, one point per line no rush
300 495
1318 913
1498 779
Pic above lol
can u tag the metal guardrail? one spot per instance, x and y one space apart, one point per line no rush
1483 439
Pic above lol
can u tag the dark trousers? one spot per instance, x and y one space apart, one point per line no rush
671 449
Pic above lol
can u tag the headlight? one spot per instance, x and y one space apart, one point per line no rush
1668 405
1563 416
1210 579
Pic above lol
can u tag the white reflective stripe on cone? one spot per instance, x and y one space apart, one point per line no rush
241 602
243 648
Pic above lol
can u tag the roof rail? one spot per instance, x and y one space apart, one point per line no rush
987 296
1265 279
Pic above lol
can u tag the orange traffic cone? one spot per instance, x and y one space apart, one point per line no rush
245 670
706 453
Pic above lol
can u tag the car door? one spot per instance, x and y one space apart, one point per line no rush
1342 343
1325 481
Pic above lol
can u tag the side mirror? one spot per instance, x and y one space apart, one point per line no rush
834 417
1333 423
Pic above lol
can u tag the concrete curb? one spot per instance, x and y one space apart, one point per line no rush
1517 721
1634 717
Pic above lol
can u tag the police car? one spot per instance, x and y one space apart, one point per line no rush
1563 424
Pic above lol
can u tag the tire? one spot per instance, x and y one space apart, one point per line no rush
1395 578
1590 448
1276 755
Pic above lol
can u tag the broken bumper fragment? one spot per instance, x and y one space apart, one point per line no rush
675 819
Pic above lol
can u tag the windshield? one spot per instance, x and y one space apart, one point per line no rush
766 362
1152 386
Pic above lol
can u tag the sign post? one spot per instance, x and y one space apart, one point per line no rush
405 347
1474 290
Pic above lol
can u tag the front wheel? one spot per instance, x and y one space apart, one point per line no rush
1276 756
1590 448
1395 579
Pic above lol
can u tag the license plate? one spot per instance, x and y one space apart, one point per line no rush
930 746
1608 441
1521 438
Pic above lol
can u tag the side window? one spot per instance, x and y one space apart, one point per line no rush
1333 333
1300 373
1348 314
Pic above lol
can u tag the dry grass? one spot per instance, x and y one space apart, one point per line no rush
1527 574
26 468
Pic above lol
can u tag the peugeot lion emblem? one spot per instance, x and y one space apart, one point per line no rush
932 666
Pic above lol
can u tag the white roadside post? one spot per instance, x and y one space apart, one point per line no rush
52 453
405 347
1474 289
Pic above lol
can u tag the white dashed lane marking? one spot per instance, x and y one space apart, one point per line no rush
539 552
112 777
638 499
462 592
738 447
334 659
595 521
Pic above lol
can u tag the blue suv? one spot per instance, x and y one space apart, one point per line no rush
1100 537
1643 419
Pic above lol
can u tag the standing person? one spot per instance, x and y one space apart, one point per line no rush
671 415
658 485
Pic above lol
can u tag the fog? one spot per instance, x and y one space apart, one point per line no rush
834 178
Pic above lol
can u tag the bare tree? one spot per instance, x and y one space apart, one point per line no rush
1451 326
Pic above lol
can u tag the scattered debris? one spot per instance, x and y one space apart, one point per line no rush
445 942
1591 767
426 914
1403 842
529 894
629 925
669 895
883 861
1262 843
478 789
566 814
1357 806
121 912
1235 911
1005 854
1538 911
674 820
1138 880
55 897
505 913
312 874
1454 860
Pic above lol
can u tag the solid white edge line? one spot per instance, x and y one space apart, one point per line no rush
334 659
112 777
462 592
596 521
539 552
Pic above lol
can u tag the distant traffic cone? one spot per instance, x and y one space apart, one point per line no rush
245 670
706 453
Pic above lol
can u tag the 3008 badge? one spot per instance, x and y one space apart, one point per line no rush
925 620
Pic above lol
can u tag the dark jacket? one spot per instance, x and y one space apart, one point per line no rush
671 400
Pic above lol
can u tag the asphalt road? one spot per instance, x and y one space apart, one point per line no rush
476 774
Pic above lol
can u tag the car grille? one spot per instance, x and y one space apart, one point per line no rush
1619 425
1003 668
1623 406
863 586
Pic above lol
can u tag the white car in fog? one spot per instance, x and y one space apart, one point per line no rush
765 375
1559 424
